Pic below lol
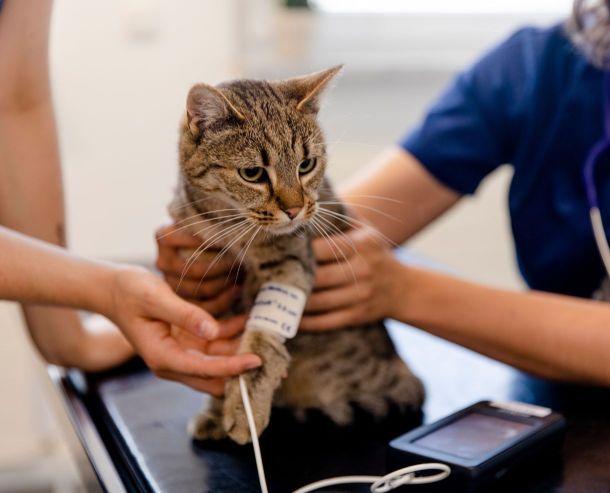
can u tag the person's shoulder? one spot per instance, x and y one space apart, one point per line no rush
518 61
530 48
529 44
536 36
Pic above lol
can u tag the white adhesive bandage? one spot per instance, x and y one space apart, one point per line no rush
278 308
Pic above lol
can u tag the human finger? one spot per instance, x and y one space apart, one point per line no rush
174 235
341 246
232 327
173 358
223 347
197 265
209 264
212 386
222 303
226 344
334 320
333 299
166 306
332 275
197 288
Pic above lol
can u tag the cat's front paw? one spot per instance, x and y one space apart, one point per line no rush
206 426
261 384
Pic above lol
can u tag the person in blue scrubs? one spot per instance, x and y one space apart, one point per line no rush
40 273
535 101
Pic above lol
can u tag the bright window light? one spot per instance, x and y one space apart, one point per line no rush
443 6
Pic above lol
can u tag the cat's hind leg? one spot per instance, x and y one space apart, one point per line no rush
402 386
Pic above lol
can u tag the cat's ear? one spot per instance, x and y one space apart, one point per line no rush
306 90
206 105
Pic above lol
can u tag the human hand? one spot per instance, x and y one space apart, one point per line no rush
355 281
226 344
145 308
205 282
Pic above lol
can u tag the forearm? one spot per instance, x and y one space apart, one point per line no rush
31 201
545 334
31 194
35 272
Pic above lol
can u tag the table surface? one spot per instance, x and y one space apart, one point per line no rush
141 422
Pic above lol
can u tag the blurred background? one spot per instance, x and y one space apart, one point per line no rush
121 70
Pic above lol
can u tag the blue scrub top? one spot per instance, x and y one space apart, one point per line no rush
534 102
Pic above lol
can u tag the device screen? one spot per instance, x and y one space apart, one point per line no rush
472 436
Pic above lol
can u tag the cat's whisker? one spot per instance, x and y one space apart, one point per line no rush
338 232
300 231
334 248
207 213
229 231
187 204
205 245
378 197
352 222
368 144
230 217
224 251
188 264
208 242
335 230
330 146
333 245
223 233
367 207
245 251
317 133
239 218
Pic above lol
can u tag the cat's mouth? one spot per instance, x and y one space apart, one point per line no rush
281 223
285 228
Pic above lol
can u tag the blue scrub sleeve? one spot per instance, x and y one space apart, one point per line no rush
470 130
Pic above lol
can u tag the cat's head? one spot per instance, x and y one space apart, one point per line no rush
257 146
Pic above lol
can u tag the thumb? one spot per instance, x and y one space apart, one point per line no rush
176 311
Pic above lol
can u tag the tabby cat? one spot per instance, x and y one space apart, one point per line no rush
252 161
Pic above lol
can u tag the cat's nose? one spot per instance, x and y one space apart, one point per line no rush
292 212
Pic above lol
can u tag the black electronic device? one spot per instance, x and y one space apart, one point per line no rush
483 444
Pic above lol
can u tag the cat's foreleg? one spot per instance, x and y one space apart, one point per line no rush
261 384
282 283
208 424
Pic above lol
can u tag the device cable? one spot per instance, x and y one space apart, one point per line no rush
380 484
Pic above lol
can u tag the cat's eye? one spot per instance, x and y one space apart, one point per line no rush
255 174
306 166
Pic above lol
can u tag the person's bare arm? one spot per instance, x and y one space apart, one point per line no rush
142 305
31 195
397 195
549 335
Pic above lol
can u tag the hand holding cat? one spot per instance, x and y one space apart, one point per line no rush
208 286
354 281
146 308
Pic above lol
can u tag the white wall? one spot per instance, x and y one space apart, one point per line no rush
121 72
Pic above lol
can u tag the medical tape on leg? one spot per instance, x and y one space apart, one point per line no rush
278 309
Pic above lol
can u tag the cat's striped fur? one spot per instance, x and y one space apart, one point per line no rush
236 128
